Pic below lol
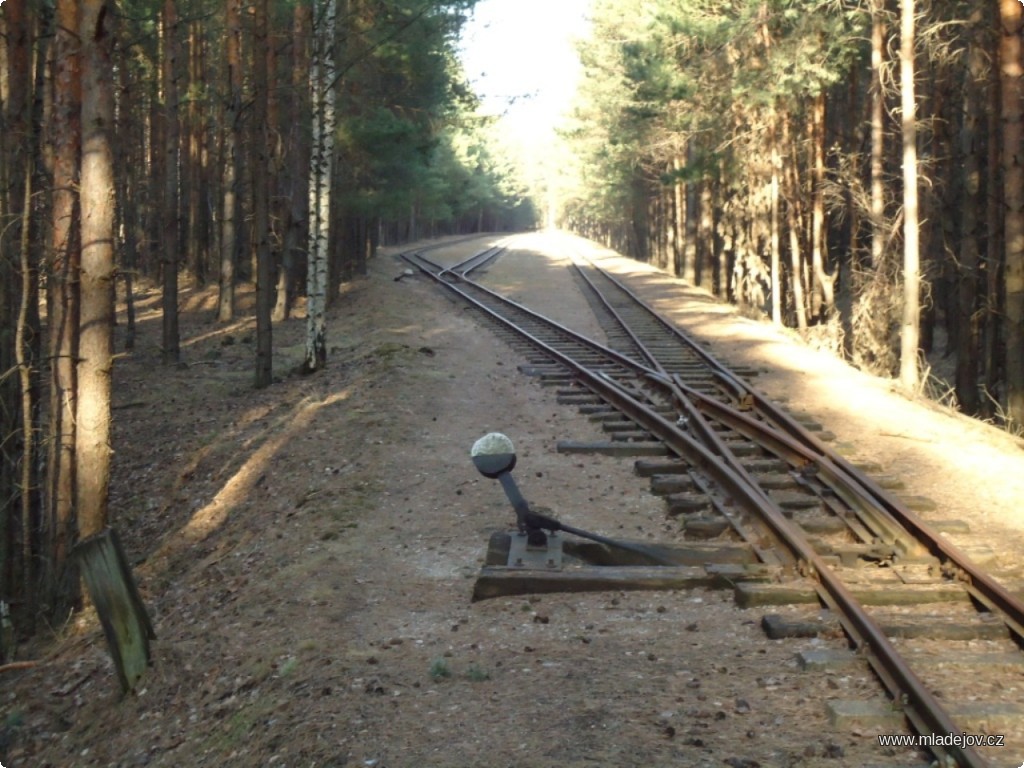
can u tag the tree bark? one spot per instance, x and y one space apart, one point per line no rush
993 244
793 220
62 297
1012 112
14 148
230 242
196 247
321 77
25 359
261 202
968 317
692 206
823 293
127 144
678 219
92 443
775 245
171 341
877 213
297 164
910 329
775 159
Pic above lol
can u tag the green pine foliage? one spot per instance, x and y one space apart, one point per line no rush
413 155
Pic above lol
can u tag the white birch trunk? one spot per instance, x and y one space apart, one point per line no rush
321 78
909 338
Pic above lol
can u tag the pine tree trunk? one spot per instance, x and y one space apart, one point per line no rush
232 163
1011 15
127 206
692 206
24 360
155 183
170 232
823 301
92 443
877 214
62 300
775 160
678 220
705 235
775 245
969 336
993 244
14 146
794 225
297 163
261 201
195 247
910 328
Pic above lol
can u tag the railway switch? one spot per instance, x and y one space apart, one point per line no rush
494 456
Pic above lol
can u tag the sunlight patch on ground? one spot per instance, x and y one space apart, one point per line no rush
206 520
246 323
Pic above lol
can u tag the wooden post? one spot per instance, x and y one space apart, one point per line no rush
118 604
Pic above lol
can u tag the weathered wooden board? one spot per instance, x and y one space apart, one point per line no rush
121 612
497 581
778 627
612 448
750 595
694 553
977 717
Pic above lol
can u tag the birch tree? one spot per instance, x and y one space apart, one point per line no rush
322 73
910 333
876 214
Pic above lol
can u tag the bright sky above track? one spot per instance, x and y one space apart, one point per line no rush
520 57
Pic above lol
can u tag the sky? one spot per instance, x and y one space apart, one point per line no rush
520 57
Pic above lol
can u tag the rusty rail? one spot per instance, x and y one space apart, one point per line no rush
781 435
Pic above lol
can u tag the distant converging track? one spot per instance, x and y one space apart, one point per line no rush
733 465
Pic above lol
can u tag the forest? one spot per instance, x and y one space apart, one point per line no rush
851 169
193 143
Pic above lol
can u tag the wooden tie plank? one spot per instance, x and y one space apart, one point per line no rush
796 593
496 581
778 627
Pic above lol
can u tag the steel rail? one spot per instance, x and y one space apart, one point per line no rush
613 355
919 705
879 510
846 486
739 388
856 488
737 483
886 529
478 261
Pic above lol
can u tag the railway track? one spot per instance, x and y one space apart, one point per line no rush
737 470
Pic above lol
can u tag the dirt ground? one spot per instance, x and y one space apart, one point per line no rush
307 554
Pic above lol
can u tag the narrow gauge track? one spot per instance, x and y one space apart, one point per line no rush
800 507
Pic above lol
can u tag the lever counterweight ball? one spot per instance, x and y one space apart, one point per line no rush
493 454
491 444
